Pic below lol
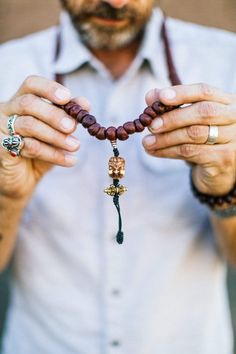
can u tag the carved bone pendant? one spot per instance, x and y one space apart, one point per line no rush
116 167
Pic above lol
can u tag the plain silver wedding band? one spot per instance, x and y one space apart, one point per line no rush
212 135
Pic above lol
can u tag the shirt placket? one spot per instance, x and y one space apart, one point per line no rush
114 290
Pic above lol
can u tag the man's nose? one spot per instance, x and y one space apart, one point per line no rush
117 3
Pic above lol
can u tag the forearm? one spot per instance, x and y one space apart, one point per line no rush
10 215
225 230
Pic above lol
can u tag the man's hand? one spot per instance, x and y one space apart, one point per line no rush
183 132
47 131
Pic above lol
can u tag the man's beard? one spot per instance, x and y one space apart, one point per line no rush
98 36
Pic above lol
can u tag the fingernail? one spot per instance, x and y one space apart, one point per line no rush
67 123
62 94
72 142
168 94
149 140
156 124
71 159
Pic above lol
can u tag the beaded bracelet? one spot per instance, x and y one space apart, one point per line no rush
222 206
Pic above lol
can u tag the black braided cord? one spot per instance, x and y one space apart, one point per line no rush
116 201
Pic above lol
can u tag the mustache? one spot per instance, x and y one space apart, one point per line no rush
106 11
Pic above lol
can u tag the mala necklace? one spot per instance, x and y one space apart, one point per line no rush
112 134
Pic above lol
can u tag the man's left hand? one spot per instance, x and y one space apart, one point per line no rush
183 133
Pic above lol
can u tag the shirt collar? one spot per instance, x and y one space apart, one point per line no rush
73 53
152 48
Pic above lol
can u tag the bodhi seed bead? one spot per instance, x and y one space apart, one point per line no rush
68 106
158 108
138 125
88 120
74 111
111 133
122 134
145 120
150 111
81 115
93 129
101 134
129 127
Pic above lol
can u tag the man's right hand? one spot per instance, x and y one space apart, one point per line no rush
47 131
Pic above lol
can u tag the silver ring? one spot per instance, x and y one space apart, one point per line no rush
11 124
13 144
212 135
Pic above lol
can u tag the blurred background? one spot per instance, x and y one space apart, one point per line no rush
18 18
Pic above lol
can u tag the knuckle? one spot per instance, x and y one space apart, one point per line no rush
207 109
53 112
196 132
26 123
165 139
26 101
57 157
206 90
171 118
188 150
55 137
29 81
33 148
212 172
228 157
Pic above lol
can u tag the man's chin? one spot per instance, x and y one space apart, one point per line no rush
107 37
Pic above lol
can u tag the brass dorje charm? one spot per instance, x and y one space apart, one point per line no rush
112 190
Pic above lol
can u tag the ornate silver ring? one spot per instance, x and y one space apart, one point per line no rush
13 144
212 135
11 124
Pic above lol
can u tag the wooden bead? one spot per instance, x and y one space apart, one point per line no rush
220 201
111 134
74 111
93 129
138 125
229 199
150 112
101 134
68 106
122 134
145 120
88 120
129 127
159 108
81 115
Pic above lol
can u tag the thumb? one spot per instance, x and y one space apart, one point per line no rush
152 96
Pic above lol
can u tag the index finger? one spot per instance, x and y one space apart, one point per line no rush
184 94
45 88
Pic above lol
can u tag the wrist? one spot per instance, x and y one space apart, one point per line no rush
215 186
7 201
223 205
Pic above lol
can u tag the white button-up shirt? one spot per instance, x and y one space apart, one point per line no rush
74 289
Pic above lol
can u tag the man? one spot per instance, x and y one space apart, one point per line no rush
74 289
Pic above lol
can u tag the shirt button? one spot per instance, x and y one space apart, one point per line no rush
115 292
115 343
